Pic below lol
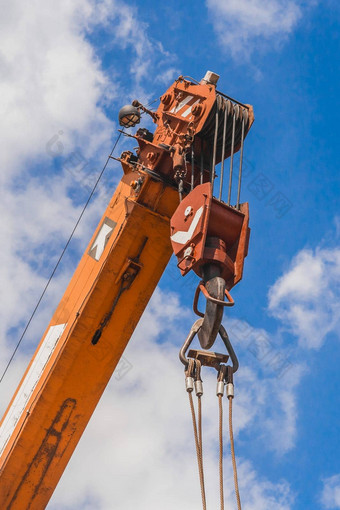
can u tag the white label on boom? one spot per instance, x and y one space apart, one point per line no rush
29 383
102 238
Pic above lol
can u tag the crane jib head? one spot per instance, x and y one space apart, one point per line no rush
197 129
185 123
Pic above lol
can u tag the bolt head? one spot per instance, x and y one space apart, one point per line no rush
152 156
188 251
197 110
188 211
166 99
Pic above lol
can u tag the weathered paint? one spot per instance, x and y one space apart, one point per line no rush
27 386
68 373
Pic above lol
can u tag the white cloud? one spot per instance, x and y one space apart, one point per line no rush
261 494
330 497
269 401
51 84
138 446
245 25
52 80
59 87
269 372
52 92
306 297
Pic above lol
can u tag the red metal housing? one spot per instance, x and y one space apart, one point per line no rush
206 230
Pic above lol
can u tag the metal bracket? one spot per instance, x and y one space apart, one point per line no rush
224 336
209 359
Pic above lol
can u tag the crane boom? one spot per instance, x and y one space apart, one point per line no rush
111 286
71 367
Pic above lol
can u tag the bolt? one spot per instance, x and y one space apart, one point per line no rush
166 99
188 211
188 251
197 110
152 156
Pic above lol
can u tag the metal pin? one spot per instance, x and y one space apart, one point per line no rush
241 160
232 157
223 147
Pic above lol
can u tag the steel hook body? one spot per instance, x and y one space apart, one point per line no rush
224 336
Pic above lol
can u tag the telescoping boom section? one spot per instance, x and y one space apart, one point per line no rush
112 284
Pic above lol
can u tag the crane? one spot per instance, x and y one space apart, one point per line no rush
164 202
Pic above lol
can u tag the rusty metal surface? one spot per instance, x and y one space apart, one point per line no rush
214 312
208 359
55 440
214 291
225 338
79 369
98 324
189 127
204 230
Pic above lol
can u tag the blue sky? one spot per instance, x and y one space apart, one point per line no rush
66 71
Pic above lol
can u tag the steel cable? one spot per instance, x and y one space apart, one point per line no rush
232 449
221 449
200 440
198 450
60 258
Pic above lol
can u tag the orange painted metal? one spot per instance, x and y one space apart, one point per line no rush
101 306
77 371
98 312
206 230
178 121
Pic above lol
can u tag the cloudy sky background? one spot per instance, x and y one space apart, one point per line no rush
66 69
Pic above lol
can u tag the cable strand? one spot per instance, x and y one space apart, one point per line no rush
200 441
232 450
221 449
198 452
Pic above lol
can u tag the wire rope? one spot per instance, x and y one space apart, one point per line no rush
198 452
220 434
59 259
232 450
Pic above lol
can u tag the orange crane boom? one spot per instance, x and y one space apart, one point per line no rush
104 300
70 369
